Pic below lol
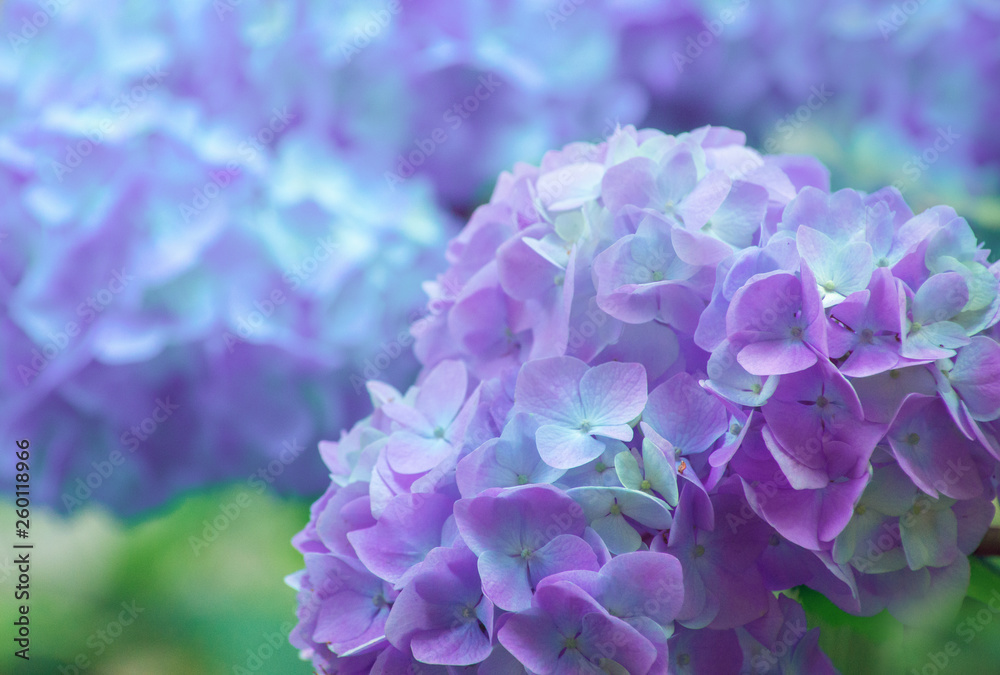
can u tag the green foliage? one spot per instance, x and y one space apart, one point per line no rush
966 643
196 613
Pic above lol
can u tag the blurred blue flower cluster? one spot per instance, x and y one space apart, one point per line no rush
214 216
192 270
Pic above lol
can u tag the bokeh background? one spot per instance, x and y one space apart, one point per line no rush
216 215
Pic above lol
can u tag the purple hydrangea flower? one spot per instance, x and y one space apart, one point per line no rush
507 461
567 631
521 536
442 616
575 403
673 377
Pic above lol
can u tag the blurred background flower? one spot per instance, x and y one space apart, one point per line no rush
191 269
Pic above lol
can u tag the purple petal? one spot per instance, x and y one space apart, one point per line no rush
408 529
613 393
550 388
686 415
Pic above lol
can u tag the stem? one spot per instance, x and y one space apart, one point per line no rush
990 544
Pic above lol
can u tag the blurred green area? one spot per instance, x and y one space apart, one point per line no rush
226 609
872 160
967 644
209 611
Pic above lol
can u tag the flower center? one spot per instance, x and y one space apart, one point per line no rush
683 659
600 467
822 401
894 374
522 479
438 432
645 485
796 332
736 428
615 510
570 643
756 388
860 509
913 438
829 287
867 336
656 275
774 541
585 426
699 550
915 327
527 553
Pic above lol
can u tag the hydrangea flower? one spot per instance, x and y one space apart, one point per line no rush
442 616
178 237
574 403
567 631
208 166
697 421
521 536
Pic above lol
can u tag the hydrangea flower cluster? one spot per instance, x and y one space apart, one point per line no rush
169 112
665 378
190 271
